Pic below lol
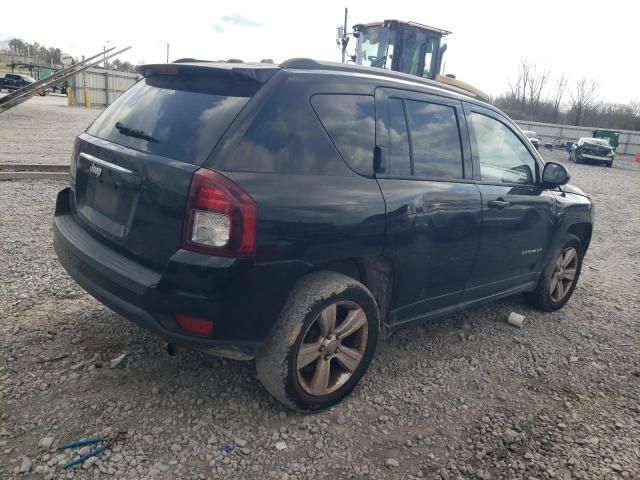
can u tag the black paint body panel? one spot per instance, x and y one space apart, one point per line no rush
447 248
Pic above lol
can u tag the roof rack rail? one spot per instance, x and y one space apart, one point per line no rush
193 60
302 63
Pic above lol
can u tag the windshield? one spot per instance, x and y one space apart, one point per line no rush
376 47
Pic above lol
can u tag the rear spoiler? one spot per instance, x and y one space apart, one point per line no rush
260 73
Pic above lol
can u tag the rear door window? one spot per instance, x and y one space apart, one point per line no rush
177 116
435 138
350 122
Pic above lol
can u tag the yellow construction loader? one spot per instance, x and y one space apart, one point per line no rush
407 47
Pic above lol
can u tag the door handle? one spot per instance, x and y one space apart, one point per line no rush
499 204
379 159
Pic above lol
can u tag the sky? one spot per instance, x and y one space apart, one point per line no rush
594 39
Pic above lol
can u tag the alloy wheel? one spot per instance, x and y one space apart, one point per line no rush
564 274
332 348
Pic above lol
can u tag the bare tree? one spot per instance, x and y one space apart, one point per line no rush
561 87
583 96
537 82
514 88
519 87
526 100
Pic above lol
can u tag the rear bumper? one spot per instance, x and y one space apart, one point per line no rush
149 297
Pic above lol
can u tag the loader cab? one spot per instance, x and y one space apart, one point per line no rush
407 47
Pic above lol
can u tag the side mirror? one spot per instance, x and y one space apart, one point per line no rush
554 175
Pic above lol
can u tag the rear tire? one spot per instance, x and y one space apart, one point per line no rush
559 278
322 343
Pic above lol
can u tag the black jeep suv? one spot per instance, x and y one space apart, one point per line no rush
295 213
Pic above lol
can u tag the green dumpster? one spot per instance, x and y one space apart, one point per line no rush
609 135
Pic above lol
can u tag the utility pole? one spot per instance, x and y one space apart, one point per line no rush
344 53
167 52
104 53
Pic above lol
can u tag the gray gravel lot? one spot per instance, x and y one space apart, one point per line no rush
466 396
42 130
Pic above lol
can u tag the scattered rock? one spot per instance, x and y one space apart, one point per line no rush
391 463
89 462
46 442
25 465
281 446
84 450
509 436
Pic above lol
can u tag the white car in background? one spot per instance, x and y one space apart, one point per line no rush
592 150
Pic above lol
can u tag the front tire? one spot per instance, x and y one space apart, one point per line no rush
322 343
559 278
609 164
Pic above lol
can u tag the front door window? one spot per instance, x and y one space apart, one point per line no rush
502 155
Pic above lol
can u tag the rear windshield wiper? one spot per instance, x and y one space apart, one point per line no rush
133 132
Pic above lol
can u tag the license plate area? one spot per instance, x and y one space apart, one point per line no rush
105 194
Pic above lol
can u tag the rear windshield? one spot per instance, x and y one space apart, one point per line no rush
177 116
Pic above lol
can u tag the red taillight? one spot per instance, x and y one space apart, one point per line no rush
220 218
197 325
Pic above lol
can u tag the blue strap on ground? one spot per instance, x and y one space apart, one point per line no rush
80 443
81 459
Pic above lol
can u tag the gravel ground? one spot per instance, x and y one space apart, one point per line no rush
463 397
47 126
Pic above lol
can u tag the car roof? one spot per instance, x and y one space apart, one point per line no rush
263 71
391 76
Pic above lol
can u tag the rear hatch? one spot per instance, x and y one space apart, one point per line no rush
132 168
